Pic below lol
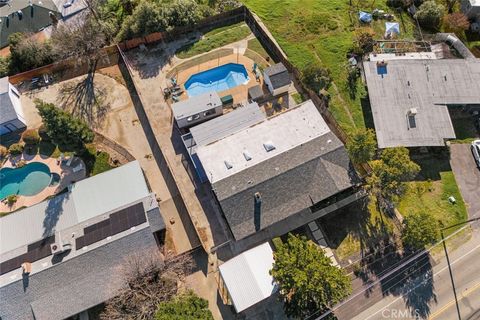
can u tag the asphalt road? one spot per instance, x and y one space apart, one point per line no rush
430 295
468 177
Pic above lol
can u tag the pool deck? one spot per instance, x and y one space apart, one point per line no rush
66 173
239 93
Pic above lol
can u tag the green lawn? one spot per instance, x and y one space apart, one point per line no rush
257 53
215 39
322 31
431 191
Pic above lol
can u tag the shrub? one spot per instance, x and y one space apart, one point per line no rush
429 15
12 199
31 136
363 42
456 22
42 132
316 77
16 149
21 163
3 152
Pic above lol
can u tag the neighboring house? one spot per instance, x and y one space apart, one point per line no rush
277 79
219 128
76 243
247 278
267 177
11 113
25 16
471 8
410 97
198 109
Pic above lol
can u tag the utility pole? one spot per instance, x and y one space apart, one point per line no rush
448 261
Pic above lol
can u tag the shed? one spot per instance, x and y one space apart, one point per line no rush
247 277
11 113
196 110
277 79
255 93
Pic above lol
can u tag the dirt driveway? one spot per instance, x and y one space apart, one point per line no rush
468 177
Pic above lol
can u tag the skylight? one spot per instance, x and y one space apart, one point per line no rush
247 155
269 146
228 165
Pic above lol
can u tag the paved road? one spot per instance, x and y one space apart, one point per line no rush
467 176
430 293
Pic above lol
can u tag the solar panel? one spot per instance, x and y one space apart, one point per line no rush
117 222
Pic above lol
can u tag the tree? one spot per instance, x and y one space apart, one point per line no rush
3 152
82 41
420 229
308 282
429 14
26 53
63 128
15 149
363 41
31 136
363 146
145 19
316 77
456 22
150 279
391 171
187 306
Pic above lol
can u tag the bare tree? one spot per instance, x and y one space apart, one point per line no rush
82 41
150 279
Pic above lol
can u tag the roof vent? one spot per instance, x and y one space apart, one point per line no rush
258 197
269 146
412 112
247 155
228 165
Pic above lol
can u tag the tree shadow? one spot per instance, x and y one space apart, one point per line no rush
53 211
85 100
367 112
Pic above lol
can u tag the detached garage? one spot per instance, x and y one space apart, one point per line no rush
11 114
247 277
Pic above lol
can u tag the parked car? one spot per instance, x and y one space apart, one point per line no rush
476 151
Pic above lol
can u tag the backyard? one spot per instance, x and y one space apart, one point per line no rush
324 33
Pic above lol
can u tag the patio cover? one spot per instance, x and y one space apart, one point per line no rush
365 16
247 276
392 27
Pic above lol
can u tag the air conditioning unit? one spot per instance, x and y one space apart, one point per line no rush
412 112
59 248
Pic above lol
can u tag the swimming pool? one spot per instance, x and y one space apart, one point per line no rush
220 78
27 180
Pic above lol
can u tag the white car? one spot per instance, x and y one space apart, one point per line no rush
476 151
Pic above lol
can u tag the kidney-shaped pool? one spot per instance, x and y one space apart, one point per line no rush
27 180
220 78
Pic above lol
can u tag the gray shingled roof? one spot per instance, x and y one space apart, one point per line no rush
74 285
278 75
35 17
7 111
288 183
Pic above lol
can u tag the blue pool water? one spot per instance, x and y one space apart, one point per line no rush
220 78
27 180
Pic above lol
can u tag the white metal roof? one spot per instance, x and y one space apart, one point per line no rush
247 276
87 199
196 105
284 132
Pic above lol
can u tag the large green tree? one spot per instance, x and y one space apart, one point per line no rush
63 128
362 145
429 14
391 171
420 229
308 282
26 53
187 306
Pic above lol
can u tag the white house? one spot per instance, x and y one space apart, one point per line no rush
11 114
277 79
198 109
